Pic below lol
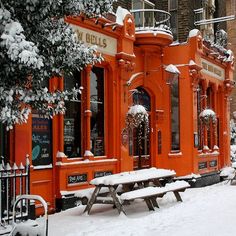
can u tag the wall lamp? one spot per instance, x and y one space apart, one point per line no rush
171 70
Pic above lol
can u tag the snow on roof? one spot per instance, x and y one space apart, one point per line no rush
172 69
193 33
121 14
137 109
155 32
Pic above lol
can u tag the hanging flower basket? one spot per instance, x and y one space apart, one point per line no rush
136 115
208 115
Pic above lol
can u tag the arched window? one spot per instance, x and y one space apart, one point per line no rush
141 97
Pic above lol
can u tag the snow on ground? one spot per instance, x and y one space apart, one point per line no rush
206 211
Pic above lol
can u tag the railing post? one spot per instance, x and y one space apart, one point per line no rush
21 168
27 184
1 208
8 174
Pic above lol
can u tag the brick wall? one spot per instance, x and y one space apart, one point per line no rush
231 45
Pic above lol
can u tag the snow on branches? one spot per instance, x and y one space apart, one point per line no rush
36 43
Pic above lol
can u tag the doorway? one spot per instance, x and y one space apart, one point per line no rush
141 135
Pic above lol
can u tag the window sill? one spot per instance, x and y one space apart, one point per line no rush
175 154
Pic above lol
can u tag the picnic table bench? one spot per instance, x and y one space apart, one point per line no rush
150 194
141 179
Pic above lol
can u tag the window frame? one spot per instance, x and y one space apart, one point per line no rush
174 11
171 122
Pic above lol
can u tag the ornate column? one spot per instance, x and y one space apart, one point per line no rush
87 114
215 145
204 106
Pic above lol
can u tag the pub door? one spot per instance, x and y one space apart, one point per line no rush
141 149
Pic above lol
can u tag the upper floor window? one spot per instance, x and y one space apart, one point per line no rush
143 18
142 4
173 9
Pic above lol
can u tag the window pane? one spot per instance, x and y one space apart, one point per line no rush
173 4
97 109
72 119
141 97
137 4
175 144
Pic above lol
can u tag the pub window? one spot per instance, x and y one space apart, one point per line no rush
143 18
173 9
97 109
72 118
175 127
209 94
199 123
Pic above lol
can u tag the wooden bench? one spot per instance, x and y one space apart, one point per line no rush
149 194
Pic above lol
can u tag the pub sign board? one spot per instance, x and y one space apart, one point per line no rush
77 178
213 163
41 141
102 173
202 165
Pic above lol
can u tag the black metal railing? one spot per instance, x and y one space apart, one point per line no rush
14 181
151 19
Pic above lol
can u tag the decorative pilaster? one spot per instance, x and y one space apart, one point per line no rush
87 114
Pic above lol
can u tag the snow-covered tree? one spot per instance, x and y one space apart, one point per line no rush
35 45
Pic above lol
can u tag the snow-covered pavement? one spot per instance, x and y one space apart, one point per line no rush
207 211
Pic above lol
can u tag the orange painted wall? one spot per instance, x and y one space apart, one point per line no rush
137 63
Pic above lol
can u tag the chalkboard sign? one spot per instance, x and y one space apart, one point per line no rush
77 178
202 165
99 146
213 163
41 141
102 173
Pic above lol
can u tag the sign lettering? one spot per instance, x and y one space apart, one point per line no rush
104 43
77 178
102 173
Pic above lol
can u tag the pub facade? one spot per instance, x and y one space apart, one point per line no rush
184 88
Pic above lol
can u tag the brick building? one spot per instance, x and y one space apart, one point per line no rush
232 45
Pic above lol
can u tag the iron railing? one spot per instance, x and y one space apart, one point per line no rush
14 181
151 19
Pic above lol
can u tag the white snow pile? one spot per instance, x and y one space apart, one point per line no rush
193 33
121 13
137 109
133 176
172 69
227 172
27 228
207 114
233 152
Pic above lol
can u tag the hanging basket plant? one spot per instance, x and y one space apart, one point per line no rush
207 116
137 117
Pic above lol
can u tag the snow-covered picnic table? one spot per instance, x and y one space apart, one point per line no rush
140 178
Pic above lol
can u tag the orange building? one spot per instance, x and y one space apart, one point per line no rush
176 83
